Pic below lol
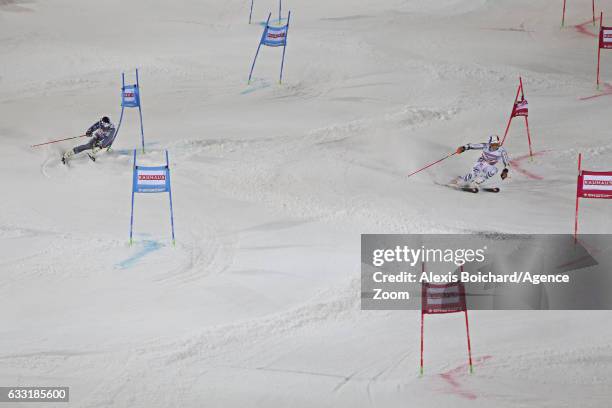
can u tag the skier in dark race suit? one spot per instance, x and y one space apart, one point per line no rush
102 135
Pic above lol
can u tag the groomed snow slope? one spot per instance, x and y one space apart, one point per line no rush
258 303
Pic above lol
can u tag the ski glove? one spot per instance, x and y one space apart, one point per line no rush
504 174
460 149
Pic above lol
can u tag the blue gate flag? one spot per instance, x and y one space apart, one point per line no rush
151 179
130 98
273 36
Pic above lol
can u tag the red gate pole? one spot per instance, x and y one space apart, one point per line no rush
422 320
593 13
467 329
510 120
423 294
577 199
528 137
599 46
526 119
563 17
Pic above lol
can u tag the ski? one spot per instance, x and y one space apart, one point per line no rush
469 189
492 189
455 186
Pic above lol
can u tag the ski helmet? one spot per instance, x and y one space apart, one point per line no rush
105 122
494 139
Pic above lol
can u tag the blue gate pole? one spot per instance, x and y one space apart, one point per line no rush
251 13
140 112
133 188
259 46
280 81
170 195
280 7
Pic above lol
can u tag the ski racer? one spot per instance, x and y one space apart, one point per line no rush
486 166
102 135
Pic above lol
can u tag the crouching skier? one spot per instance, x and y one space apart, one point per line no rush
102 135
486 166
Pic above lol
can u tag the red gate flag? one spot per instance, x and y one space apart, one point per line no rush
595 184
604 42
445 298
520 107
605 37
591 184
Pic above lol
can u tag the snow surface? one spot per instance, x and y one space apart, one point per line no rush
258 303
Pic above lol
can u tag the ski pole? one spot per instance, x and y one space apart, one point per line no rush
429 165
59 140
